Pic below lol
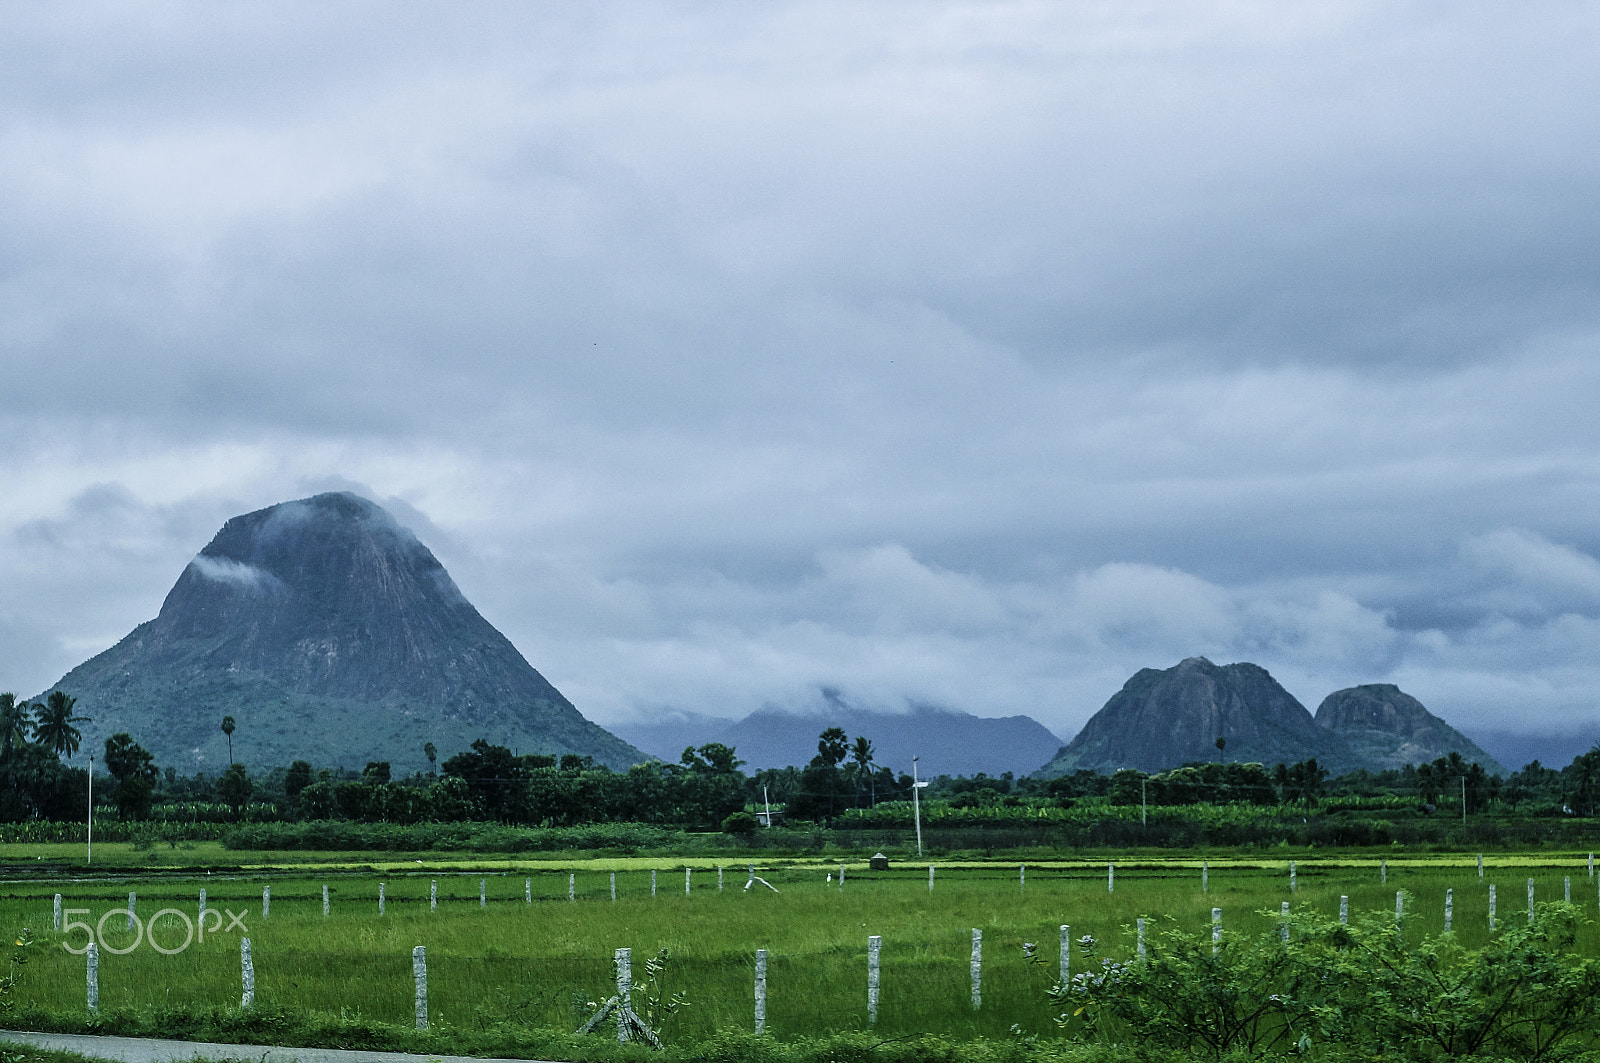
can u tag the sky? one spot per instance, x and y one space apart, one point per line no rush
969 354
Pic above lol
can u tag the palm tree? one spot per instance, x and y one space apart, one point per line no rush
53 724
861 753
13 724
227 729
431 751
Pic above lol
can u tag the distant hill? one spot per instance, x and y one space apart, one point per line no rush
331 634
948 742
1163 718
1384 727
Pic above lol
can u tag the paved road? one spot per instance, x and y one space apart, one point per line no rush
151 1050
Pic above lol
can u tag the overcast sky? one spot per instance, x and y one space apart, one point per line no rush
971 354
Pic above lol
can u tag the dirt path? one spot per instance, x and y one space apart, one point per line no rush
151 1050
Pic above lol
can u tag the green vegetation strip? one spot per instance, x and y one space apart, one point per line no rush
516 978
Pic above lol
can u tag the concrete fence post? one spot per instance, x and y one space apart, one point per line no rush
1449 908
624 959
652 882
58 913
930 878
324 902
1566 889
1491 906
977 968
93 973
1111 878
202 903
527 891
572 886
613 885
761 990
1530 900
483 893
433 895
1139 940
1066 954
247 975
419 973
380 897
266 901
1216 929
687 872
1284 928
1292 884
1205 876
874 955
133 901
1344 908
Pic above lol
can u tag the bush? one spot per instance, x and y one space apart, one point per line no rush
740 823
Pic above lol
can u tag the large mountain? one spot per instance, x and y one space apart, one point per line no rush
1385 727
329 633
948 742
1163 718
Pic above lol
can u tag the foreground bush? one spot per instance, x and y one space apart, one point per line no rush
1365 989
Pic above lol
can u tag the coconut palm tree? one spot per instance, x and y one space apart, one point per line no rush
227 729
861 753
13 724
53 722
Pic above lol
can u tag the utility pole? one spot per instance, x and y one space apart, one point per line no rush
1144 801
916 802
1463 799
90 859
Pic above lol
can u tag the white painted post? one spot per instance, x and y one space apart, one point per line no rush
266 901
977 968
719 878
761 989
613 885
689 871
1344 908
1480 867
1491 906
1566 888
1399 908
202 904
1139 948
1022 876
93 977
1111 878
841 876
1449 908
652 882
419 972
930 878
133 899
1216 929
247 975
483 893
324 902
624 958
527 891
1530 900
433 895
58 913
1284 929
1591 865
572 885
1383 872
1292 884
1066 954
381 886
1205 876
874 952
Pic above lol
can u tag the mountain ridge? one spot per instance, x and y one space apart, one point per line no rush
331 634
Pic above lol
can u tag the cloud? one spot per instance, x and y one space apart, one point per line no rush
974 353
233 573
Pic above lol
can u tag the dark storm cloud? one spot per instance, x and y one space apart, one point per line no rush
968 353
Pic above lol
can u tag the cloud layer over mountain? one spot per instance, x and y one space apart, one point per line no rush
972 354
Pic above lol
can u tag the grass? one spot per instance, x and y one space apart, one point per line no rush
545 965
